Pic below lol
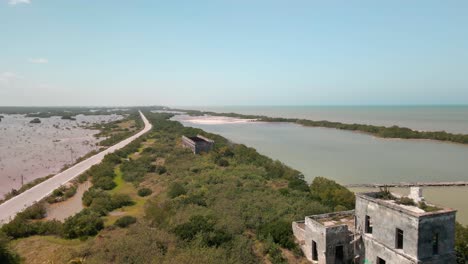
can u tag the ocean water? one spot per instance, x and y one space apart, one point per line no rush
429 118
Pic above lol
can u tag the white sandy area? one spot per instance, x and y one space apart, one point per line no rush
38 150
213 120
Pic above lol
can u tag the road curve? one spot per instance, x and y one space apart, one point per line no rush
10 208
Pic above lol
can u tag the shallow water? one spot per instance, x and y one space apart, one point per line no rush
36 150
430 118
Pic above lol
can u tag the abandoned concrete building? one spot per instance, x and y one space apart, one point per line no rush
197 144
380 230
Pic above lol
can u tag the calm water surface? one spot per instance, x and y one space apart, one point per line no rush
349 157
449 118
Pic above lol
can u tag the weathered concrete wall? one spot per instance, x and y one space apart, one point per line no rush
444 226
315 231
198 146
372 250
338 236
385 221
188 143
298 232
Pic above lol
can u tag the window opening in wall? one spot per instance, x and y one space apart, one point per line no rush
399 239
314 251
380 261
339 254
368 225
435 244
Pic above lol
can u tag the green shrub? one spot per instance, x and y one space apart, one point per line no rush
298 184
222 162
280 232
36 211
105 183
461 243
85 223
160 169
331 193
144 192
175 190
405 201
203 226
125 221
6 255
121 200
22 227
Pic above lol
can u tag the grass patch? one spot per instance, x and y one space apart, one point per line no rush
47 249
123 187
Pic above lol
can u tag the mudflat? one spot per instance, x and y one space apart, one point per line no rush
32 150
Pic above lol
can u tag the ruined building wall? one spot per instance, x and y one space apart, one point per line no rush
315 231
385 221
444 226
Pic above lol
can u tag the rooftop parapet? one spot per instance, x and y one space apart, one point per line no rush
404 204
335 219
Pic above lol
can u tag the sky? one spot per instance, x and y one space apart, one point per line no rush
256 52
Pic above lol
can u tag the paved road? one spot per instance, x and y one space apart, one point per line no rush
10 208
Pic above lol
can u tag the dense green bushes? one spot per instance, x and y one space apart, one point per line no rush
23 225
6 255
281 233
102 202
125 221
36 211
103 176
331 193
175 190
144 192
85 223
461 243
205 228
135 170
62 193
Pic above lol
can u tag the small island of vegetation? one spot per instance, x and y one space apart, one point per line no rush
35 121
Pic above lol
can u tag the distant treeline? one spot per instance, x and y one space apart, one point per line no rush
64 112
378 131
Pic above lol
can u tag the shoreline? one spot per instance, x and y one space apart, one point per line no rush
250 119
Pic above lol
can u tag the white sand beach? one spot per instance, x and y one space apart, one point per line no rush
213 120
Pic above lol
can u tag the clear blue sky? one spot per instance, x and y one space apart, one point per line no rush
55 52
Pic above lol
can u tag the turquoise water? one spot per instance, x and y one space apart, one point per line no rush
449 118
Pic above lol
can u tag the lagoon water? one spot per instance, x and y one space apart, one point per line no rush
350 157
449 118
